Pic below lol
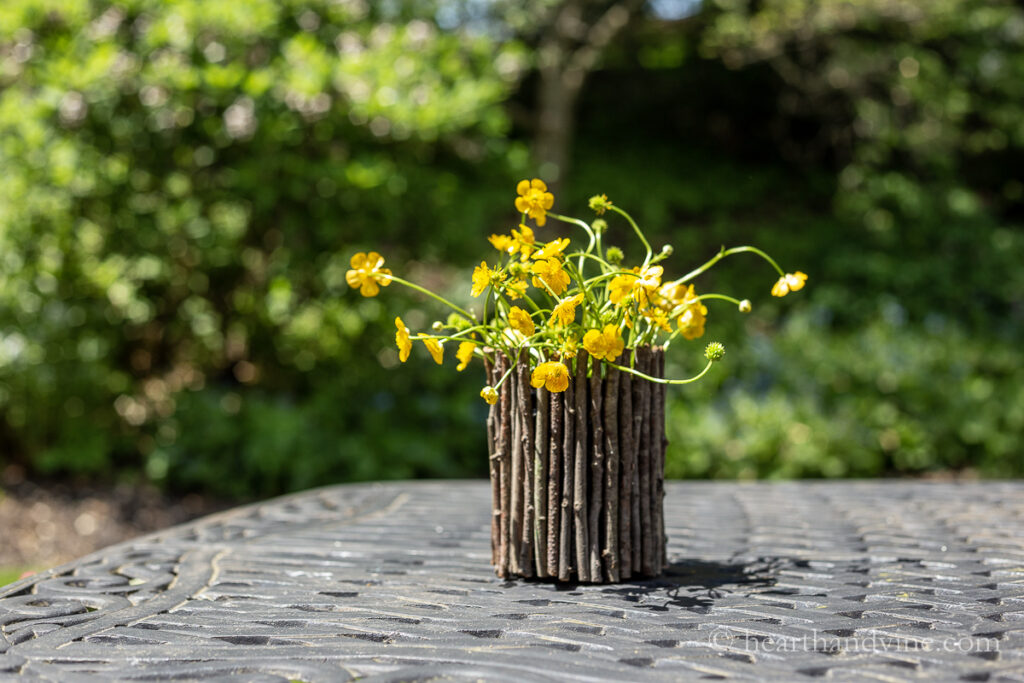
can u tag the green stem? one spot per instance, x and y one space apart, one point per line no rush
582 224
721 255
423 290
659 380
639 233
723 297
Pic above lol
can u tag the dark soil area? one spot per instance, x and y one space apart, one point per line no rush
43 525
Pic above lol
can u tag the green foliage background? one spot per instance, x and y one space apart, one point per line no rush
183 183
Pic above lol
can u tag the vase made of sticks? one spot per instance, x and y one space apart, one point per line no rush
577 477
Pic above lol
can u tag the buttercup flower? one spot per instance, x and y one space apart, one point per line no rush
552 250
606 345
620 288
552 375
482 277
550 272
489 394
367 273
464 354
521 321
534 199
790 282
435 348
523 240
502 243
402 340
565 311
691 322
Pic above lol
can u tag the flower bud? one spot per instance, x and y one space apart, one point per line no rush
489 394
667 250
457 322
599 225
714 352
437 326
614 255
745 306
599 203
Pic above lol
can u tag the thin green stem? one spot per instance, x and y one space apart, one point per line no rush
723 297
721 255
422 290
659 380
638 231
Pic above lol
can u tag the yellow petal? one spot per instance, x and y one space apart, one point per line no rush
523 187
538 184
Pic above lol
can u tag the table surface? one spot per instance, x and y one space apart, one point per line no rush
853 580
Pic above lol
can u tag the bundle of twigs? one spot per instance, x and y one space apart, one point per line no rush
577 477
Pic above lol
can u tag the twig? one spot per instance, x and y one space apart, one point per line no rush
596 469
627 472
611 479
579 505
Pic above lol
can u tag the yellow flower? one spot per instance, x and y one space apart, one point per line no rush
368 273
552 249
549 272
435 349
524 240
502 243
657 316
534 199
516 288
464 354
565 311
552 375
489 394
570 347
649 281
484 276
606 345
621 287
521 321
790 282
402 340
691 322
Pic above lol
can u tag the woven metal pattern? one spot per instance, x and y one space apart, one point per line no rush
886 580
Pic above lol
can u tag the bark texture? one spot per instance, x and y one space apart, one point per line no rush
577 477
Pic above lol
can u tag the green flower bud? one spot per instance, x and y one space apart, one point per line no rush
614 255
667 250
714 352
457 322
745 306
599 225
599 203
438 326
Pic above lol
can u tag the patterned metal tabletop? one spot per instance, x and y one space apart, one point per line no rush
853 580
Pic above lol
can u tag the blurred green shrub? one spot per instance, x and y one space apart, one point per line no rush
183 184
889 398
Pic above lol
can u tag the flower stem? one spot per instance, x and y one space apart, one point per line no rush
423 290
721 255
639 233
660 380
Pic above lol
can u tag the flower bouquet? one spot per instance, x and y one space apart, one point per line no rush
573 343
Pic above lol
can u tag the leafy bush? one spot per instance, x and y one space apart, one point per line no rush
889 398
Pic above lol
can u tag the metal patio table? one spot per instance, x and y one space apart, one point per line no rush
884 580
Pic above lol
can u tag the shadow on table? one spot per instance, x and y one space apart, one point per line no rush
696 584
